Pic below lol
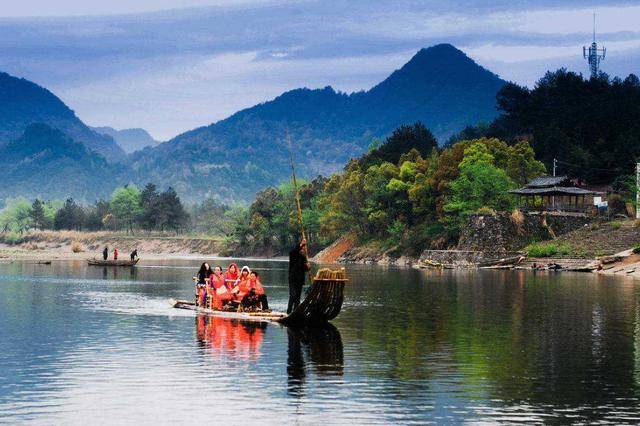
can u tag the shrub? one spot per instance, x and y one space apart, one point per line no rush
12 238
76 247
636 249
615 225
547 249
488 211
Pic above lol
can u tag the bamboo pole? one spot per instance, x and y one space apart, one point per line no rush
298 205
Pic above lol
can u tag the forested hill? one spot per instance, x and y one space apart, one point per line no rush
24 103
591 126
46 163
233 158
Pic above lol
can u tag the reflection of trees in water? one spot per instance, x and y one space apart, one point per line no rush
226 337
318 349
545 339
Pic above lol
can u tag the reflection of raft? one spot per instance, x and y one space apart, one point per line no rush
100 262
322 304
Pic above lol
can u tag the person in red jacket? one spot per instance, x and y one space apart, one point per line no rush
252 293
115 254
221 294
231 277
242 284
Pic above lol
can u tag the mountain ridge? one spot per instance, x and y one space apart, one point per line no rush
233 158
25 102
327 127
46 163
130 140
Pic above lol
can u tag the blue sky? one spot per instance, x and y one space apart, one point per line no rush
172 65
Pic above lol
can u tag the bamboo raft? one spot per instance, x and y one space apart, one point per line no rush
322 304
100 262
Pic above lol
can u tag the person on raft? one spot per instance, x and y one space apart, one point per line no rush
201 283
231 277
249 291
115 254
298 267
253 295
221 294
242 282
105 253
134 254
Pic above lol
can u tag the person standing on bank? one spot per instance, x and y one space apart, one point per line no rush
298 267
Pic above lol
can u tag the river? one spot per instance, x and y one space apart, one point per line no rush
83 344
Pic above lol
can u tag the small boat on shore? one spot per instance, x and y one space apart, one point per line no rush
110 262
322 304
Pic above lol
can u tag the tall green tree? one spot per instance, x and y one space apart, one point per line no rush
171 213
37 214
480 184
125 206
16 216
149 207
70 216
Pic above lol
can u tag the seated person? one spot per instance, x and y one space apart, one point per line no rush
201 284
220 294
242 282
231 277
251 293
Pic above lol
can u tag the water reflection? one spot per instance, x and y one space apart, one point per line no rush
412 346
317 348
224 337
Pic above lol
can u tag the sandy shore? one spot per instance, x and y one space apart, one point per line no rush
71 245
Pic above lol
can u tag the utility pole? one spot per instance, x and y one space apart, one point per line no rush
637 190
553 198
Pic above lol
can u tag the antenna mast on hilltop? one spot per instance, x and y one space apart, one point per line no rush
593 54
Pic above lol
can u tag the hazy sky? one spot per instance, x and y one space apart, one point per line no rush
172 65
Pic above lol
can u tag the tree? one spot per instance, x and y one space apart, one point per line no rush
149 205
15 217
171 212
95 215
480 184
70 216
37 214
402 140
125 205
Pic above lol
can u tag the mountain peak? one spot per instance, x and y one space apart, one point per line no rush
440 58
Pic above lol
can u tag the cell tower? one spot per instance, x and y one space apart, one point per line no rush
593 54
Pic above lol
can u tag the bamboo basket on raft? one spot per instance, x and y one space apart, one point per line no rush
323 301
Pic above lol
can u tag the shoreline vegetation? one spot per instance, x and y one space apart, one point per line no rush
405 196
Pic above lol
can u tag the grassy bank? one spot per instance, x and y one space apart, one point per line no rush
75 244
596 239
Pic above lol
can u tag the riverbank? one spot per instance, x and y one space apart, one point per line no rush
68 245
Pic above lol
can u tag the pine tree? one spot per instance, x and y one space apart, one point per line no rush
37 214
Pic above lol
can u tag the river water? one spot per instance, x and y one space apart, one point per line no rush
96 345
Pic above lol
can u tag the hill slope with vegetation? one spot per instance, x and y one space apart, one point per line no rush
591 126
403 196
238 156
46 163
25 103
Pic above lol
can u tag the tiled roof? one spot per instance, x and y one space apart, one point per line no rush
544 181
556 190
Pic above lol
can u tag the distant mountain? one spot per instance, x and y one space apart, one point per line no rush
235 157
23 103
46 163
130 140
